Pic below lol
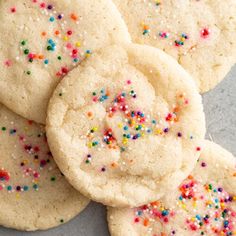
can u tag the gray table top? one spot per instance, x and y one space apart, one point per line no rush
220 109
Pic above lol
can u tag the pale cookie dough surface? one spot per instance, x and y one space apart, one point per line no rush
200 35
125 126
33 192
41 41
204 204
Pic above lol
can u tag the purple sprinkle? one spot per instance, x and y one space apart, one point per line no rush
203 164
220 189
179 134
166 130
49 7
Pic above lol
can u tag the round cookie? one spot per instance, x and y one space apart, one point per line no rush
204 204
33 193
200 35
126 126
41 41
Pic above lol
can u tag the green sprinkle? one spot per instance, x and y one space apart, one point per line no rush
53 179
28 72
26 51
35 186
4 128
9 188
23 42
62 221
59 58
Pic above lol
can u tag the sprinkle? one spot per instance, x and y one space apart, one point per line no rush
198 149
13 10
53 178
51 19
146 30
4 176
74 17
203 164
205 33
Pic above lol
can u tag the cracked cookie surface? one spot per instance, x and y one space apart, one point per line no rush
126 126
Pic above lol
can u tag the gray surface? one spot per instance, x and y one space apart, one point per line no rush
220 109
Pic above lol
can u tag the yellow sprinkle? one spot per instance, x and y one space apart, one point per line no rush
120 125
90 145
125 140
158 131
65 38
78 44
95 128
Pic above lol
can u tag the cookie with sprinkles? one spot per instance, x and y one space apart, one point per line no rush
33 192
199 34
42 40
126 126
204 204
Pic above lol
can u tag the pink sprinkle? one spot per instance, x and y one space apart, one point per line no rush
128 81
233 214
8 63
43 5
69 45
95 99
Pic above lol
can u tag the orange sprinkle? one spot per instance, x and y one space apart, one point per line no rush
176 109
234 175
145 27
190 177
145 222
57 32
43 33
156 203
89 113
73 16
40 56
113 164
176 119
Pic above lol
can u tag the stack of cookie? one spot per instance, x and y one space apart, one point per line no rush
124 120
